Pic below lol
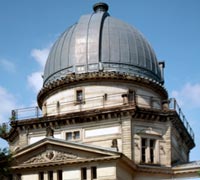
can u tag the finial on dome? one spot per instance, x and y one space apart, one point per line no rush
100 7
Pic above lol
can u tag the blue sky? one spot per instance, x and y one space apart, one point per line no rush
29 28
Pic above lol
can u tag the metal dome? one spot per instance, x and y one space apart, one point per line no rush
99 42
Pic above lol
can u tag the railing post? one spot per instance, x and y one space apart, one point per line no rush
58 107
151 101
125 99
44 109
165 104
13 115
174 104
105 97
37 111
134 98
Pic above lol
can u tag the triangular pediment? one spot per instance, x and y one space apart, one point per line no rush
51 151
52 156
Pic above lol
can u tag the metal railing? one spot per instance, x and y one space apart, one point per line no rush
98 102
174 106
25 113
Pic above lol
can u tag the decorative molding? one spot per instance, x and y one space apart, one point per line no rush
85 77
51 156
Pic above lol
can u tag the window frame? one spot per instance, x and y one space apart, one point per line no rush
76 96
93 172
59 174
73 135
151 155
84 173
41 175
50 175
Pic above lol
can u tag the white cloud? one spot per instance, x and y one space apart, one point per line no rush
35 81
7 65
40 55
8 102
188 96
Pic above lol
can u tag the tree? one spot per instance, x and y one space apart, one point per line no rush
5 162
5 155
3 130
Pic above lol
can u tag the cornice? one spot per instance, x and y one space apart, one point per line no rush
73 79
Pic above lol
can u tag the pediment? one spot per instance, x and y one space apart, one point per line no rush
51 150
149 131
52 156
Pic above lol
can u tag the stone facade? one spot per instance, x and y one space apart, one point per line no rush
104 125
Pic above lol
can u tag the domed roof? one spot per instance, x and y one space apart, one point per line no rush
99 42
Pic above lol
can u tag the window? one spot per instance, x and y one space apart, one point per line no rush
94 172
41 175
131 94
79 96
19 176
69 136
76 134
152 147
73 135
143 153
83 173
148 150
50 175
59 175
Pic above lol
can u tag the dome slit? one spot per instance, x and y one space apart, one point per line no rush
87 42
100 42
100 36
69 47
62 46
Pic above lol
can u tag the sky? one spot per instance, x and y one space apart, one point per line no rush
28 28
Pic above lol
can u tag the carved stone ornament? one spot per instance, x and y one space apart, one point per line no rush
51 156
149 131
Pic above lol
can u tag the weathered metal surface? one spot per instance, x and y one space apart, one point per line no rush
99 42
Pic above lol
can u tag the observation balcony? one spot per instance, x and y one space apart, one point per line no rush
100 102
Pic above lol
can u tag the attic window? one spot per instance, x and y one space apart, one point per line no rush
72 135
69 136
76 134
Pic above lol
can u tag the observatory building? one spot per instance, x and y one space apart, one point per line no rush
103 112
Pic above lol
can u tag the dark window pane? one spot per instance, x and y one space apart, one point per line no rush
79 95
83 173
41 175
69 136
143 150
59 173
76 134
50 175
152 145
94 172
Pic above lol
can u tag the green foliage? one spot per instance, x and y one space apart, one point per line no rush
5 162
3 130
